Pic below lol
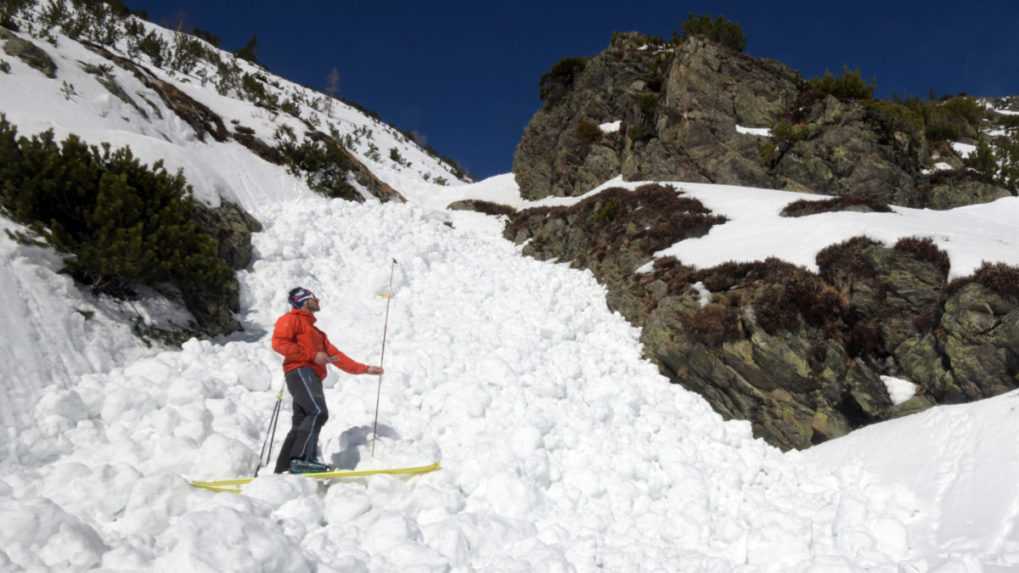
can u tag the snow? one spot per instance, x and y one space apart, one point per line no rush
942 166
964 149
899 390
611 127
703 294
562 448
759 131
1005 111
755 230
560 444
962 464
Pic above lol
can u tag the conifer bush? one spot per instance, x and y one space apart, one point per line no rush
153 46
122 224
848 86
250 50
718 29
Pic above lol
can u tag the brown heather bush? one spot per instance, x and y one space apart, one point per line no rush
846 257
806 207
924 249
713 324
998 277
588 132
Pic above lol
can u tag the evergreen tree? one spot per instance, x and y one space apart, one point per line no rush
249 51
123 224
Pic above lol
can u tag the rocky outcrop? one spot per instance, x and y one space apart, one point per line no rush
563 152
951 189
685 109
232 227
612 233
28 52
689 131
798 354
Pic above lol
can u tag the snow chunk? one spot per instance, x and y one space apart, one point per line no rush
963 149
899 390
759 131
942 166
611 127
704 294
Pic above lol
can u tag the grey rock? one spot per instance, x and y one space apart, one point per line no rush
28 52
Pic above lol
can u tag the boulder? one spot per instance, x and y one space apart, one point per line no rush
28 52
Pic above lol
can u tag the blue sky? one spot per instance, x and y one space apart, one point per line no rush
465 74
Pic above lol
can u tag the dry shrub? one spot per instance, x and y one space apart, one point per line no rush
804 207
924 249
713 324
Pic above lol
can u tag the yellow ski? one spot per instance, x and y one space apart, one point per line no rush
234 485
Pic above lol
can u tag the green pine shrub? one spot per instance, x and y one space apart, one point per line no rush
896 116
322 163
982 160
253 87
848 86
153 46
952 119
554 84
249 51
785 133
122 224
718 29
1006 154
5 66
206 35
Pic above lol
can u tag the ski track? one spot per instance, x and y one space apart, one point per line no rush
562 449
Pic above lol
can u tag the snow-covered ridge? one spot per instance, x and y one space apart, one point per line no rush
77 101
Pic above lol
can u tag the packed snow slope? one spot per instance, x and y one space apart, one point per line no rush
562 449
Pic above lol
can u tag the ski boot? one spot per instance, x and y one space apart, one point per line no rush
299 466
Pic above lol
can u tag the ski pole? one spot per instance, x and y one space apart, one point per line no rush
270 436
382 358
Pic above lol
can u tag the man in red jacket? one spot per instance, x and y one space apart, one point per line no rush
306 350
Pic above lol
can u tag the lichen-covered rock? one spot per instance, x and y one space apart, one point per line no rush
962 189
689 131
799 355
982 341
552 156
232 226
28 52
683 108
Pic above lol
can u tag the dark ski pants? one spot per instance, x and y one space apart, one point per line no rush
310 413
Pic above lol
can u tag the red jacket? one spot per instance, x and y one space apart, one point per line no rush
297 339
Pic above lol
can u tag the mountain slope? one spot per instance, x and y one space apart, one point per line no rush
105 92
563 449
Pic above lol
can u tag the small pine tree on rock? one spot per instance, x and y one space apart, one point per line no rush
250 50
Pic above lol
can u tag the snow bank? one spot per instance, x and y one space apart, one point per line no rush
962 462
755 230
561 447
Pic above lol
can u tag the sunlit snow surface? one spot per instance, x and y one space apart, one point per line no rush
562 449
